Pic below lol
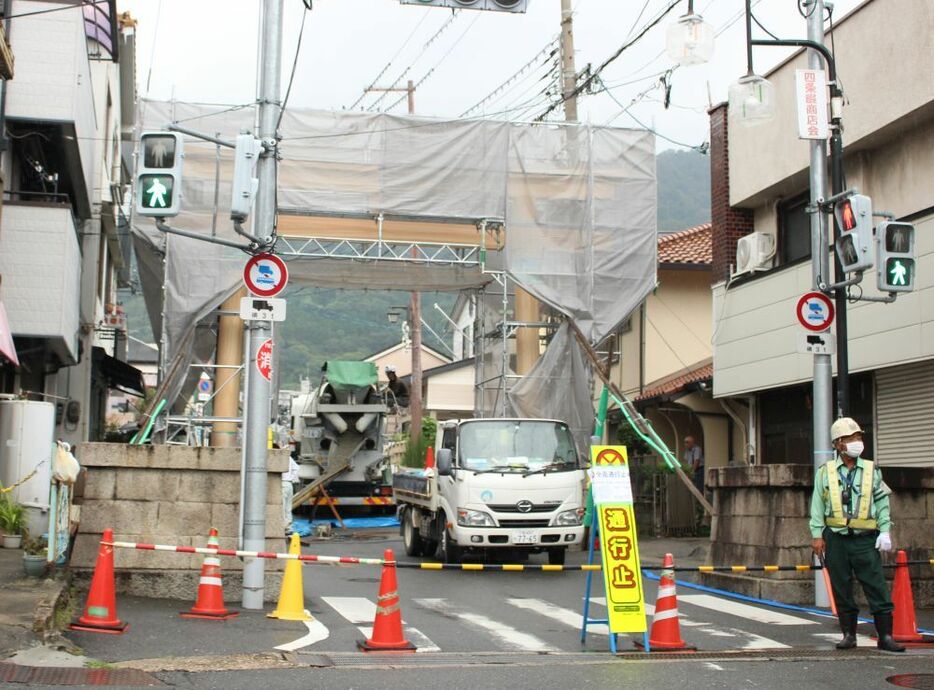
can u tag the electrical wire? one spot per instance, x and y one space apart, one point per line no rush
700 148
434 67
759 24
152 53
288 90
383 71
544 51
606 63
428 44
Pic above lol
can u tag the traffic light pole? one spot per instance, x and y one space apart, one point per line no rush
256 422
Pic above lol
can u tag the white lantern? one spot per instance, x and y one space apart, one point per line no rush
752 100
690 40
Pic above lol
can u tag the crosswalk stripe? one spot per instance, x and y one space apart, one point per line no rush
505 634
569 618
317 631
361 612
743 611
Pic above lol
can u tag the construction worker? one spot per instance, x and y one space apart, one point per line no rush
850 528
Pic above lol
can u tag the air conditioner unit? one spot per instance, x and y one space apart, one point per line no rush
754 252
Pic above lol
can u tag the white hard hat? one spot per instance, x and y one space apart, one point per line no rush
390 369
844 426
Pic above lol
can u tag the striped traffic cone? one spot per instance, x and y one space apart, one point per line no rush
100 610
666 631
904 625
210 601
387 626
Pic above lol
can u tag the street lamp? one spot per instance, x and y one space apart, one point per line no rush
751 98
689 41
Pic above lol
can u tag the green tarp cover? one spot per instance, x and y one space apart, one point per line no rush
350 375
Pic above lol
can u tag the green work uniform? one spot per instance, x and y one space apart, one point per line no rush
850 550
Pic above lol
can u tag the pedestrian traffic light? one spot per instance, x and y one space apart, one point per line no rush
895 251
159 174
245 183
854 245
494 5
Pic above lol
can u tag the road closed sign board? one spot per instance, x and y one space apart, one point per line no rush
619 547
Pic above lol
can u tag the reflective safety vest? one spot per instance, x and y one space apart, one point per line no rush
839 518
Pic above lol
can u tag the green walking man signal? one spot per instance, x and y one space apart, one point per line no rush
895 247
159 174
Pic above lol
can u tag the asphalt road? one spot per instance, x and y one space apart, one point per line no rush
499 628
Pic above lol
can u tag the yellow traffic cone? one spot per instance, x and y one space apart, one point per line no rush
291 606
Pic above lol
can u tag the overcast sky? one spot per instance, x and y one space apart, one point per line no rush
205 51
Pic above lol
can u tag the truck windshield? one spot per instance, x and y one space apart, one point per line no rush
516 446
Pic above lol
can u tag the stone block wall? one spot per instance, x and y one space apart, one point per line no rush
761 518
171 495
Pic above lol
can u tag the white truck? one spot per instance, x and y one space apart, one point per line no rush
499 485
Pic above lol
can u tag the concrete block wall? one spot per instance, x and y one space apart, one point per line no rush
171 495
762 515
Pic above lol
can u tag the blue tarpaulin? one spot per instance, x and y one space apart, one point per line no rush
304 527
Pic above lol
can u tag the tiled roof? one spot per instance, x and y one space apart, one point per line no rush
691 246
676 383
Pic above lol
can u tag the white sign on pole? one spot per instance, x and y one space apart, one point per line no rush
262 309
816 343
811 97
610 484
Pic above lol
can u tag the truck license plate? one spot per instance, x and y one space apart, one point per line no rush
524 538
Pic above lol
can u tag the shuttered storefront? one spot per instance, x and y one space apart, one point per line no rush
905 415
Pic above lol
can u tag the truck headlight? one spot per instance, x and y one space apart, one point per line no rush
569 518
474 518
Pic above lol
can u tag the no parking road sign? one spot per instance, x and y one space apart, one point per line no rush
265 275
815 311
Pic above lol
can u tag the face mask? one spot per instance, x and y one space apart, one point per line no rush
854 449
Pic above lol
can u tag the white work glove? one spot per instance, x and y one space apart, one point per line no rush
884 542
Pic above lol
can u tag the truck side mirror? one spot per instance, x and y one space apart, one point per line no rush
445 462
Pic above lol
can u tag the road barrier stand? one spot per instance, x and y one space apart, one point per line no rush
291 606
100 610
209 604
387 625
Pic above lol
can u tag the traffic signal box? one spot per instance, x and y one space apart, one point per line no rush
159 174
854 246
895 250
494 5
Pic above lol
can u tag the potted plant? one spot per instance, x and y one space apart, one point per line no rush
35 558
11 522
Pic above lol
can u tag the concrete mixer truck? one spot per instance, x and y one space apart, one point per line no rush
337 430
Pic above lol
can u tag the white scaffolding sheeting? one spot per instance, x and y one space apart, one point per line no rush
393 202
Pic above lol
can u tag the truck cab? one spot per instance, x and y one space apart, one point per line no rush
499 485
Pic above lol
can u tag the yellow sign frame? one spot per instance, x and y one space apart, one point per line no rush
619 550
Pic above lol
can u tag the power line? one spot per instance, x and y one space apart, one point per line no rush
385 69
701 148
596 73
438 63
548 50
428 44
298 49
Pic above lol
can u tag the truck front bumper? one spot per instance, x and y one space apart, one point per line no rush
530 538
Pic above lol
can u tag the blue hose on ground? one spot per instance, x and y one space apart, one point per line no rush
765 602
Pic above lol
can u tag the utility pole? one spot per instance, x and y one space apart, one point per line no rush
568 70
822 402
415 311
258 388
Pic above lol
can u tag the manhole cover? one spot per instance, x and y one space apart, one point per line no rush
921 681
35 675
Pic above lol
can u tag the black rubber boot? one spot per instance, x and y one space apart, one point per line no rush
886 642
848 627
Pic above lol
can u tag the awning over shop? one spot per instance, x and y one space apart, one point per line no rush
119 375
7 349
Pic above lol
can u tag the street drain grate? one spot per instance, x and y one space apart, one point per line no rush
391 659
35 675
920 681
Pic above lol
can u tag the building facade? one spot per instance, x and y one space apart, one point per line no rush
64 240
760 184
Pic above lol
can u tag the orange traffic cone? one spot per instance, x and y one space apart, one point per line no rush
430 458
210 601
666 631
904 627
387 627
100 610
